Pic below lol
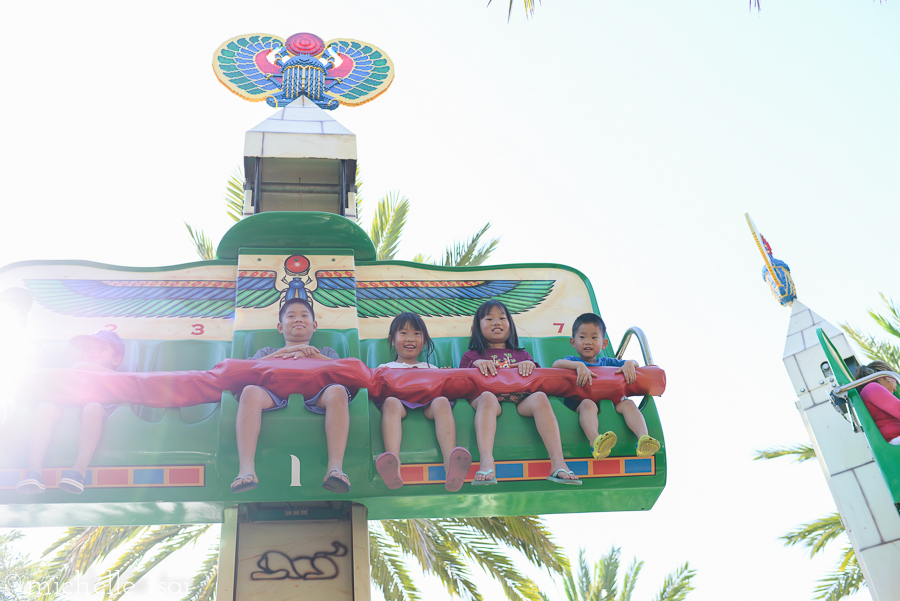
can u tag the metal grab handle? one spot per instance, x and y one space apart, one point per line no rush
843 390
642 340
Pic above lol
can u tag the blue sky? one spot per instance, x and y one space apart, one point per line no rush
626 139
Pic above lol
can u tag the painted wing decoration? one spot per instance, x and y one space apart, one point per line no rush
366 71
242 67
256 289
427 298
154 298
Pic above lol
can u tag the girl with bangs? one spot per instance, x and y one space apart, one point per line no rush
409 338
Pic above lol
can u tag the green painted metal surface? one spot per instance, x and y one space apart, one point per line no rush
886 455
286 229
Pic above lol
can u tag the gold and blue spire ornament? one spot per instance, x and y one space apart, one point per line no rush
776 273
266 67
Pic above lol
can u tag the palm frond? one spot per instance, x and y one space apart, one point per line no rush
168 538
387 227
203 246
18 574
874 349
606 574
234 195
569 586
890 324
630 580
529 8
484 552
389 573
585 579
203 586
81 548
421 258
677 584
471 253
816 535
845 580
800 453
525 533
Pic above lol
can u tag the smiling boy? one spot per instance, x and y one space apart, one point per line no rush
101 351
589 340
297 323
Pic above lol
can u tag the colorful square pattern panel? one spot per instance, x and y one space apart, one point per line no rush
120 477
536 469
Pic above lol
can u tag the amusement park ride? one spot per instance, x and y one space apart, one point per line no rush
168 450
861 467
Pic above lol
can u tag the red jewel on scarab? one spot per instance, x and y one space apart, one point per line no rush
305 43
296 264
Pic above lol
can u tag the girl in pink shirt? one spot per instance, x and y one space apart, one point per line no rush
495 345
879 398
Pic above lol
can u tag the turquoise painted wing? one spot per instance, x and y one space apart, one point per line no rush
365 71
428 298
242 67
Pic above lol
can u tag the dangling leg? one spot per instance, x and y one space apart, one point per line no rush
337 427
388 463
253 400
538 406
487 408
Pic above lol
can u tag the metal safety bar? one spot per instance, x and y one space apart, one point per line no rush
843 390
642 340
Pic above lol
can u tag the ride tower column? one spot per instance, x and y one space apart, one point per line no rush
860 493
286 536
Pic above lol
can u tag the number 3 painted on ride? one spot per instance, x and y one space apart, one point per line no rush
198 329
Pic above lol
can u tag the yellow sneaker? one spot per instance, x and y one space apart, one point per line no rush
603 445
646 446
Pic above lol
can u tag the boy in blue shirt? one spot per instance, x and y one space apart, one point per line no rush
589 340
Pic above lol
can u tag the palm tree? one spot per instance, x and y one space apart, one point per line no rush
601 584
847 577
19 577
443 547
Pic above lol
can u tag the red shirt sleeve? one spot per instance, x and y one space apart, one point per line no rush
468 359
879 396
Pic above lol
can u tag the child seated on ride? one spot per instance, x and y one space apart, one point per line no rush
101 351
494 344
589 340
408 337
879 398
297 322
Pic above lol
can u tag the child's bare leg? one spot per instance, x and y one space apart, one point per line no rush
441 413
537 405
337 428
91 427
392 412
587 417
487 408
634 419
249 418
45 417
